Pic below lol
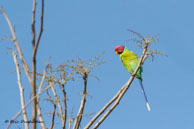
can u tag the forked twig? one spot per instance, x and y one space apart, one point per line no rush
35 44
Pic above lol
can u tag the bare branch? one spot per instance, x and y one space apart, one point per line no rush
42 123
82 105
26 68
21 90
41 83
35 48
58 103
65 104
33 23
34 103
103 109
53 117
41 27
71 118
69 121
40 117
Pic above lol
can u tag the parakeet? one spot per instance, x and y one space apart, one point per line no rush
130 61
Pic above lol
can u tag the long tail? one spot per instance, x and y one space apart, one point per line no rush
147 104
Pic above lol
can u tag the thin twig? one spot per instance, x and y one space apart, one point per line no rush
42 82
58 103
33 23
69 123
41 26
82 105
71 119
145 57
53 117
21 90
65 104
5 38
42 123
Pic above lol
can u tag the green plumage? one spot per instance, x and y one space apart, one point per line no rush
130 61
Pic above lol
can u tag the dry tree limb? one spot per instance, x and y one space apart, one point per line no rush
53 117
61 81
103 109
83 102
58 103
21 90
40 117
65 104
41 83
34 41
35 48
69 123
70 119
25 66
33 23
41 26
38 98
34 103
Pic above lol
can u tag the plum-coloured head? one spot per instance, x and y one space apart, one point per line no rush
119 49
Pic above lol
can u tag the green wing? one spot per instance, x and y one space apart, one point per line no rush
130 61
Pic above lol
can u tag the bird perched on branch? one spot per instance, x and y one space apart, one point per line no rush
130 61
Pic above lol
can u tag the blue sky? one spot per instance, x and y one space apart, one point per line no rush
88 27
